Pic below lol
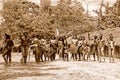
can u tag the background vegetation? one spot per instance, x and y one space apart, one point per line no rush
22 15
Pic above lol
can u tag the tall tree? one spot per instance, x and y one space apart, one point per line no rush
17 15
28 16
69 15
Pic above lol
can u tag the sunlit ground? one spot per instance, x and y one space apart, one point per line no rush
59 70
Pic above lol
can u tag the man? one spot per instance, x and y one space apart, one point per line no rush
65 43
86 48
74 48
79 44
65 48
111 47
7 49
101 44
60 47
53 48
36 50
25 43
95 48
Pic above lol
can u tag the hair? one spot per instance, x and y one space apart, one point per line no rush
7 36
95 37
25 33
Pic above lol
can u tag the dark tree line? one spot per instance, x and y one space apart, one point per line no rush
22 15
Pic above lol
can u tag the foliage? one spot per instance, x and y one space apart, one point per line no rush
22 15
69 15
109 18
17 16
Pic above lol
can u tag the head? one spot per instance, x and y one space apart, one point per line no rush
95 37
25 34
7 36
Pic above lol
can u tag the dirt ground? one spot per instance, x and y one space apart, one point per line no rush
59 70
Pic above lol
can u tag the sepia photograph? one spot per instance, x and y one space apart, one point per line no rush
59 39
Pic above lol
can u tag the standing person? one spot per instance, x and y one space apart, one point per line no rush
111 47
7 49
79 44
65 41
25 43
101 44
53 47
65 48
37 49
60 47
84 46
95 48
74 48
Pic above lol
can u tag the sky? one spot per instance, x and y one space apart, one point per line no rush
92 4
95 4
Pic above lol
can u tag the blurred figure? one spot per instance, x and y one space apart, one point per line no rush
101 44
74 48
95 48
111 47
25 44
74 40
65 48
79 44
7 49
37 51
60 47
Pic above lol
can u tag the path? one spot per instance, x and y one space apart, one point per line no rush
60 70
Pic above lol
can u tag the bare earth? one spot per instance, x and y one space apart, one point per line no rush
59 70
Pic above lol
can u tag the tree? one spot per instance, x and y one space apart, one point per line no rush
18 15
22 15
111 14
69 15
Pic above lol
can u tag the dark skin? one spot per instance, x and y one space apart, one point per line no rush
24 45
7 50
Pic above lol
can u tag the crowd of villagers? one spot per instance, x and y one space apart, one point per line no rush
80 49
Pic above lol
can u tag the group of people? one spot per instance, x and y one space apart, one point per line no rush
79 48
96 47
8 45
